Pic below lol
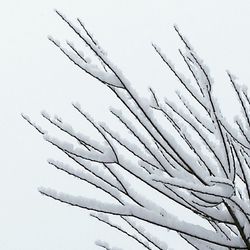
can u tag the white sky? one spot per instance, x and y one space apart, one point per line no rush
35 76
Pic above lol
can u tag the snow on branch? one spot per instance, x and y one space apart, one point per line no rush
89 204
196 160
105 245
91 69
103 219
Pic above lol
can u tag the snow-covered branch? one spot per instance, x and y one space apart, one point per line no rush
196 160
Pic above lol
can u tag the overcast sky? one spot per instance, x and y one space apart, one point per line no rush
35 76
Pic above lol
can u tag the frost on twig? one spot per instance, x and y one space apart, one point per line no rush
201 164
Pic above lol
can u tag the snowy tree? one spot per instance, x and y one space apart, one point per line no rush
197 159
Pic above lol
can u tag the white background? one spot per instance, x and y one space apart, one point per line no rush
35 76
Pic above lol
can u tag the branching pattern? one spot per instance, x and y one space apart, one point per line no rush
204 167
